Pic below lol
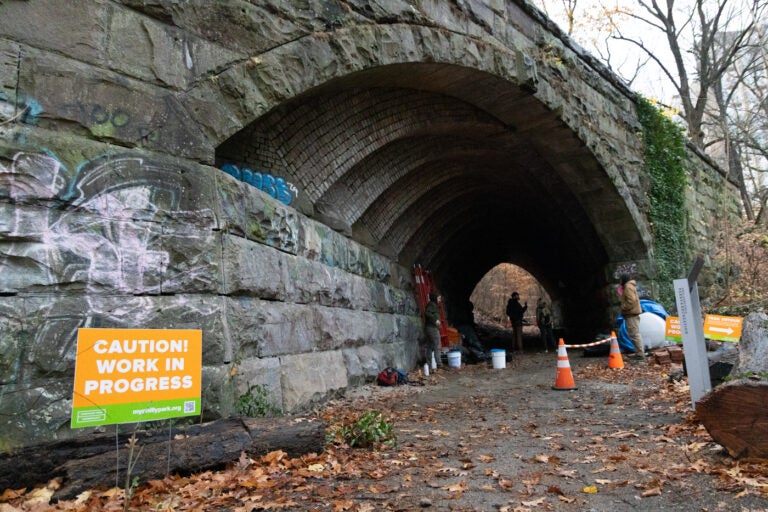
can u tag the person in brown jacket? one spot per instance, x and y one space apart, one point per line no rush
630 310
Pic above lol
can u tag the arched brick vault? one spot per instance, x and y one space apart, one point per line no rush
452 167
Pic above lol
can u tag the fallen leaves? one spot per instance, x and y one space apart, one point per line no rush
494 451
486 458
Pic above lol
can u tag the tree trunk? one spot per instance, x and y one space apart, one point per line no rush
736 416
91 462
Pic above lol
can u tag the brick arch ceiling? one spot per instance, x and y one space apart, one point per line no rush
449 167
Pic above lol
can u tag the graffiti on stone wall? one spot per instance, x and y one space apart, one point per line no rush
102 121
110 231
111 234
23 109
274 186
625 268
631 269
110 239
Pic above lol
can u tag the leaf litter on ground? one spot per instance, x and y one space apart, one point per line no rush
392 478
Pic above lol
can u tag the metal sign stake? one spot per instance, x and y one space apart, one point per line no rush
692 329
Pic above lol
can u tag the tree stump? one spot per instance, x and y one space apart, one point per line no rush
736 416
93 461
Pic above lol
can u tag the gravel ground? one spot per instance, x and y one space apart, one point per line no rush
478 438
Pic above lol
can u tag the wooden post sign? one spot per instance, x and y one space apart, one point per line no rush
132 375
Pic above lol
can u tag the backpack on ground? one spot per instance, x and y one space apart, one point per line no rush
391 377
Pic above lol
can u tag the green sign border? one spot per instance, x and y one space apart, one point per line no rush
94 416
722 337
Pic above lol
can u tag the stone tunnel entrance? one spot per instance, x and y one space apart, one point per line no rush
452 135
454 169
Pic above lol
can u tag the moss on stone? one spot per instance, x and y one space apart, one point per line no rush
664 162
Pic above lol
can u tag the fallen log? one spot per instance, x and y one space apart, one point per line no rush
94 462
736 416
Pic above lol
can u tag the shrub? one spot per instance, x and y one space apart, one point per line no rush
256 403
369 431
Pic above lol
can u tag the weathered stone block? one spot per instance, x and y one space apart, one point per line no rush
38 411
154 51
310 378
146 49
217 392
10 58
237 24
343 327
14 339
314 282
270 222
231 204
111 107
143 187
218 118
266 328
252 214
363 363
88 251
30 177
74 28
253 269
753 349
192 260
264 372
223 385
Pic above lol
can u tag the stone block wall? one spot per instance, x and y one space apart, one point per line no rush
137 239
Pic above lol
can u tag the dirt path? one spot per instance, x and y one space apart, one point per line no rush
479 438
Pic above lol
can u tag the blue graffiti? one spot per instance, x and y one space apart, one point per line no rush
27 109
275 187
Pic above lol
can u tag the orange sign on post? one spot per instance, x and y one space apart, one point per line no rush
672 331
131 375
723 328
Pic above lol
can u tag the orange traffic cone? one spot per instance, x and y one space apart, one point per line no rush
564 379
614 358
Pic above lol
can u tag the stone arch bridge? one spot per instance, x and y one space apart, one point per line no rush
269 172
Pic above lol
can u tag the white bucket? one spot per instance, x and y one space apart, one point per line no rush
499 356
454 358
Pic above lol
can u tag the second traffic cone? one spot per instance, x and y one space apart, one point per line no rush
614 358
564 380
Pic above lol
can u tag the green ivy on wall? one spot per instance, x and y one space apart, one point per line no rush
664 156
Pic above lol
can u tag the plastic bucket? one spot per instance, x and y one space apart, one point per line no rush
499 357
454 358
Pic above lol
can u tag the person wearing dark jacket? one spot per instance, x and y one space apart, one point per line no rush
515 313
544 321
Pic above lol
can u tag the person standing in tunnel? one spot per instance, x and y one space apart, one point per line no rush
631 310
432 328
515 313
544 321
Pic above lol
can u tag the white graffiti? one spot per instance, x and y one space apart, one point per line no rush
31 176
107 234
106 228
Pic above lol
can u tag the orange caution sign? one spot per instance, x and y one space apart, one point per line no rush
672 331
132 375
723 328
